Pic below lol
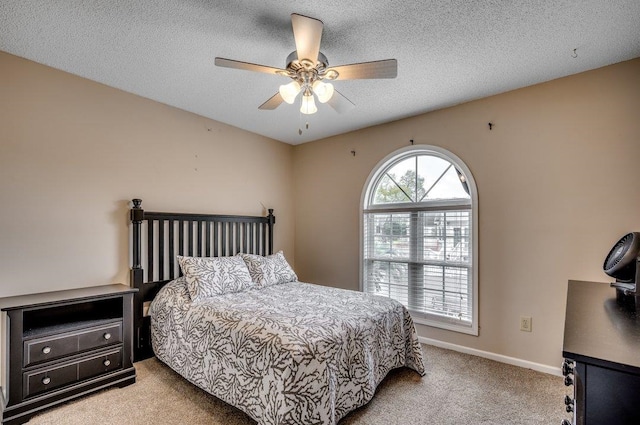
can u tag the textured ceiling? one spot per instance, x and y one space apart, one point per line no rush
448 51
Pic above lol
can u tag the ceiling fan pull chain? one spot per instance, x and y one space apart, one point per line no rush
300 121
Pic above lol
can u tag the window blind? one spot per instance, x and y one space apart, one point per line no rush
422 258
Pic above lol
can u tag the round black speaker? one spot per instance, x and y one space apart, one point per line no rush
621 261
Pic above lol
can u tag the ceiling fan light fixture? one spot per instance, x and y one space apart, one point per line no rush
324 91
308 104
290 91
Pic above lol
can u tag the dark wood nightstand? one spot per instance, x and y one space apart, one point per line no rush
65 344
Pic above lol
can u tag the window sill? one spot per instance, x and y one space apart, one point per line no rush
449 326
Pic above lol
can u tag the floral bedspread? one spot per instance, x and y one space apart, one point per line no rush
294 353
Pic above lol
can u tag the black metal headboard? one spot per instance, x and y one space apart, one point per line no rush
159 237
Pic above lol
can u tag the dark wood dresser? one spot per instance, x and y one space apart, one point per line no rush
602 356
64 344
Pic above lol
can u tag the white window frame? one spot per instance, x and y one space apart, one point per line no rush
369 186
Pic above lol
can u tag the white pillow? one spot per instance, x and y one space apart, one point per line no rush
269 270
210 276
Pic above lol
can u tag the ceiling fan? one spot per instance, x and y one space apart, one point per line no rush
309 68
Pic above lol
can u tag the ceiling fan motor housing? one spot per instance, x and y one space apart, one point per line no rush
294 62
306 71
621 262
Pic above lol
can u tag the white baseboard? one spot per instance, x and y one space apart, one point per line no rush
493 356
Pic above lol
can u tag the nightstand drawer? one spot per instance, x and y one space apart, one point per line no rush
47 379
99 365
100 337
42 350
37 382
50 348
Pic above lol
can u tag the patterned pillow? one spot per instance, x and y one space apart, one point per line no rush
269 270
209 276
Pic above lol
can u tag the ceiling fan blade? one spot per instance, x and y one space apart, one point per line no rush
230 63
340 103
273 102
377 69
307 33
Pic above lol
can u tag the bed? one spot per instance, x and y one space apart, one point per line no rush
282 351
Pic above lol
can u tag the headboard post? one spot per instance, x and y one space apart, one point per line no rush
272 220
137 215
141 339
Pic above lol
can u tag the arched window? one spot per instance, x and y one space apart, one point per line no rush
419 236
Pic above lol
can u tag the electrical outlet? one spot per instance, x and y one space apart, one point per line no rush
525 323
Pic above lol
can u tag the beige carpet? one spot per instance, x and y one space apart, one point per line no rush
457 389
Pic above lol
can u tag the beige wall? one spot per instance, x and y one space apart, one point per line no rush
558 180
74 152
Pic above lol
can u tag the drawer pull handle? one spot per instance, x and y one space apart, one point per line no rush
567 367
107 335
46 380
568 400
46 350
106 362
